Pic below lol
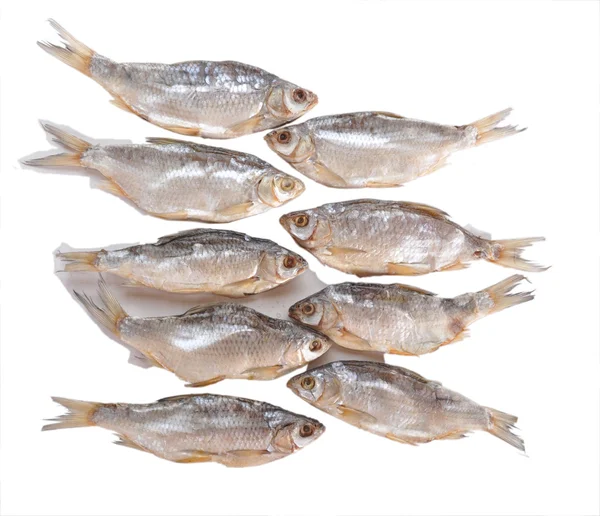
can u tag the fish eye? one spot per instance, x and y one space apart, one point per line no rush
299 95
287 184
315 345
308 383
308 309
301 221
306 431
289 262
284 137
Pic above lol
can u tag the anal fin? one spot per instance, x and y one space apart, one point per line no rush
354 416
106 185
128 443
402 440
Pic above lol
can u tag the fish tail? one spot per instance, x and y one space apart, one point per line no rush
487 130
502 426
80 414
74 53
109 314
508 254
80 261
500 293
76 145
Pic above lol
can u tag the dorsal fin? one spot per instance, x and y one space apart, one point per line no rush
178 397
389 115
413 289
425 209
180 236
200 308
199 147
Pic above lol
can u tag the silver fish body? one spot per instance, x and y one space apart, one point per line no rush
370 237
208 344
211 99
232 431
199 260
400 319
180 180
396 403
376 149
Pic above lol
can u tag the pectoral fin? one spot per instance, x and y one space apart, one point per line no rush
264 373
239 210
246 127
204 383
351 341
240 288
328 177
354 416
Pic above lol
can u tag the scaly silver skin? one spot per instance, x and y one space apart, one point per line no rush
205 260
393 318
371 237
213 99
182 180
206 345
390 401
207 428
368 149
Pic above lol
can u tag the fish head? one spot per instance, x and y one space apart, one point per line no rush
294 143
277 188
318 387
296 432
316 311
286 102
309 228
306 345
287 265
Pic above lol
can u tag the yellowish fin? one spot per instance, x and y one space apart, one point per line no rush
501 293
76 145
508 254
80 414
80 261
109 314
74 53
487 130
502 426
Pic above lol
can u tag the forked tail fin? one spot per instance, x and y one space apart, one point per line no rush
109 314
76 145
487 130
500 293
79 261
74 53
80 414
508 254
502 426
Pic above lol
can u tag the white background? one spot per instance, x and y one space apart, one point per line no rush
447 62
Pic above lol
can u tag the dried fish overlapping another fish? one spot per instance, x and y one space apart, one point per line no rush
369 237
213 99
199 260
235 432
178 180
208 344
